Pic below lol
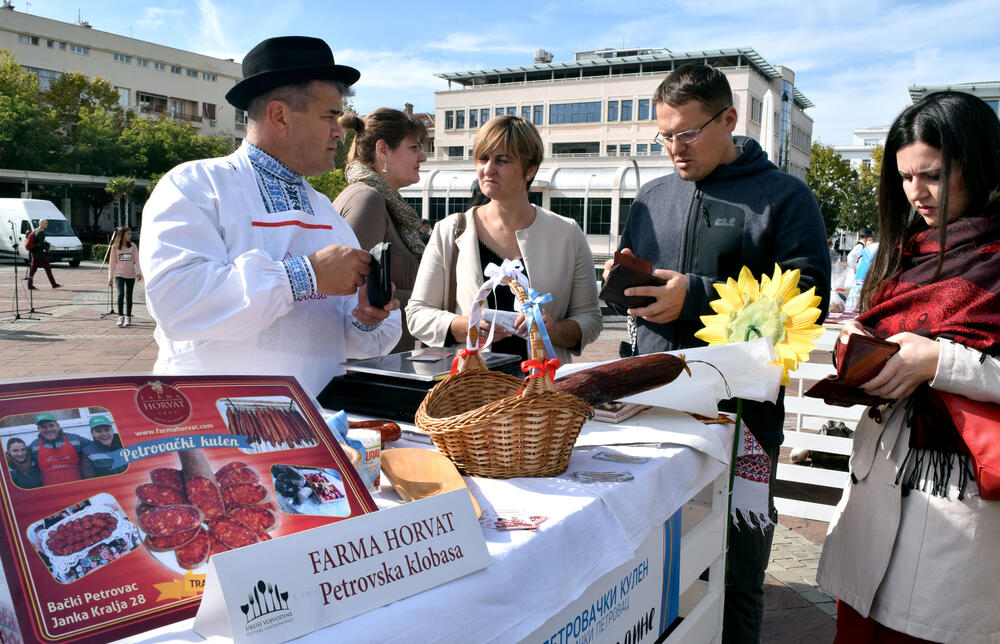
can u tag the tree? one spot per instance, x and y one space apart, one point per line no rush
120 188
833 182
25 135
85 110
329 183
155 145
862 210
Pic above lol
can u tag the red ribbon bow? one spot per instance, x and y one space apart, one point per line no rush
541 369
464 355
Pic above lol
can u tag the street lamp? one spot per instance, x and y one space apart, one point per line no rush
586 198
447 195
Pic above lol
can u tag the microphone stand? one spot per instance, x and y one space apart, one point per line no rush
17 260
107 253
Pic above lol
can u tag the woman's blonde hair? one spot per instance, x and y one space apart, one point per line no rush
516 136
385 124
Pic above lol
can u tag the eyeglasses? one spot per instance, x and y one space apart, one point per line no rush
688 136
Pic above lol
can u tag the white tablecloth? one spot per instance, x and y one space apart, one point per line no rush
592 528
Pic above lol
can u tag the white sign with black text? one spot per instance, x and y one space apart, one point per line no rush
282 589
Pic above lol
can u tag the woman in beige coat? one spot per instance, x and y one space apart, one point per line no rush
385 156
553 250
912 549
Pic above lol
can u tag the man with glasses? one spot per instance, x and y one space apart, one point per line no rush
725 206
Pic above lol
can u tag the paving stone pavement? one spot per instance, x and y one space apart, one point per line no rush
70 332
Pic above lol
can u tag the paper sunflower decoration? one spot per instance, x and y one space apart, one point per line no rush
775 309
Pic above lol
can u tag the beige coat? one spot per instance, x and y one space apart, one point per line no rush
924 565
557 259
365 211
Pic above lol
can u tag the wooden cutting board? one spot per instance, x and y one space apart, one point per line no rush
417 473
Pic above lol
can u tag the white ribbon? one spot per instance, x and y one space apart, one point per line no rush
509 268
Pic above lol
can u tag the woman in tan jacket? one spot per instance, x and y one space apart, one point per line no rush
385 156
553 250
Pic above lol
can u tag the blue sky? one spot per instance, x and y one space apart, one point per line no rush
853 58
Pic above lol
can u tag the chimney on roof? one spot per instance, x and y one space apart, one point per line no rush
542 56
408 108
7 4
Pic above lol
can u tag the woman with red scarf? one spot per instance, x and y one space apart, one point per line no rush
911 553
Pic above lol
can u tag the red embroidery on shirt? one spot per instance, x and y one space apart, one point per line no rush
300 224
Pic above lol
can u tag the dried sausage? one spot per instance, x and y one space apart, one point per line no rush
78 534
390 431
158 494
174 541
168 520
255 517
200 483
229 467
196 552
217 546
167 476
628 376
239 475
206 496
243 494
232 533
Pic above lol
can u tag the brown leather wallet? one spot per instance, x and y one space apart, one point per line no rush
858 361
626 272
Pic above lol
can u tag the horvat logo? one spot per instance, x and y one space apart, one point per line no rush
266 608
162 404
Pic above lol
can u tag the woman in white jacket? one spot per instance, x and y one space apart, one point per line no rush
911 551
553 250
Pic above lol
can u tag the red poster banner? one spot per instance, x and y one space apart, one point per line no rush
119 489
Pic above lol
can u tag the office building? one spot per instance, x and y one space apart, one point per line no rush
865 139
988 91
597 120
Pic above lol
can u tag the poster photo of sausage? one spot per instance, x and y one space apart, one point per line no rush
118 491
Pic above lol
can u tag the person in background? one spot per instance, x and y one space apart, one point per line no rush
725 206
123 268
23 471
910 552
425 231
386 155
99 454
864 262
553 250
248 269
57 453
40 256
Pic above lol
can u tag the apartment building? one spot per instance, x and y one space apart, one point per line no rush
150 79
597 120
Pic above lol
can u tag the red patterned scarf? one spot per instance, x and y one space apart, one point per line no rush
962 305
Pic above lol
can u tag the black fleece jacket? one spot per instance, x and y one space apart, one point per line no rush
745 213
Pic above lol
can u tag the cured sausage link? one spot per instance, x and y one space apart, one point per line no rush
614 380
200 484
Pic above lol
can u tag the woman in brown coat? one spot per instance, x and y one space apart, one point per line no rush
386 156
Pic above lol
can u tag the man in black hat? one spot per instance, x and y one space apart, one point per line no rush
249 269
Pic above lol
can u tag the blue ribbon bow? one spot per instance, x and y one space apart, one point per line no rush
533 315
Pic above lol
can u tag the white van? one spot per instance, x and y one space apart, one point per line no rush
18 217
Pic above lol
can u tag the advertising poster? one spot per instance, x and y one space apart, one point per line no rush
118 490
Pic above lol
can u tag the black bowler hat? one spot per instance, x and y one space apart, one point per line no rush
284 60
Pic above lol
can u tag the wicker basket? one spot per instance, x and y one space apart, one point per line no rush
478 419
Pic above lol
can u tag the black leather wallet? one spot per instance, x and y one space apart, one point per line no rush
626 272
858 361
379 282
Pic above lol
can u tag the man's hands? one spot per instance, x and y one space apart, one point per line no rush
371 315
669 297
914 364
340 270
